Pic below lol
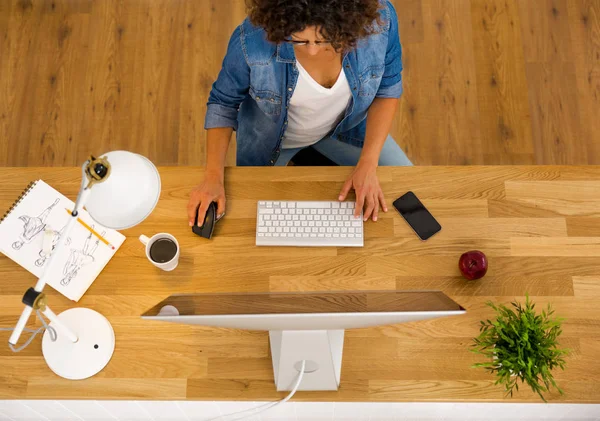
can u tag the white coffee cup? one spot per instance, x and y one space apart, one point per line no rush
148 242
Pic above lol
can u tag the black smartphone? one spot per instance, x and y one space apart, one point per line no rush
418 217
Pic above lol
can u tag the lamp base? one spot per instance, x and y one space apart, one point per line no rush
90 354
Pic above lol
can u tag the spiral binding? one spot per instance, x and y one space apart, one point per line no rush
19 200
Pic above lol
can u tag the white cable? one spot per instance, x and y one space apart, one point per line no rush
34 333
269 405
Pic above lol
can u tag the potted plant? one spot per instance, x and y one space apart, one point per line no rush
521 345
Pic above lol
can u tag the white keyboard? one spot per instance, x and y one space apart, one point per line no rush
308 224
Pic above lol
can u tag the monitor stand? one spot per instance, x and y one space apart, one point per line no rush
322 350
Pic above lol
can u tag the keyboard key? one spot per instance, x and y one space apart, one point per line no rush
277 210
345 218
276 204
328 236
330 230
271 229
327 211
325 223
276 234
344 205
300 229
335 205
275 223
298 235
305 235
280 217
303 217
284 211
266 211
346 223
268 223
350 229
289 223
317 217
313 235
331 217
294 217
286 229
291 204
269 204
288 217
313 205
343 235
294 229
304 223
313 211
338 218
283 205
262 229
336 235
278 229
351 235
309 217
315 229
283 234
356 223
320 211
261 234
321 229
306 211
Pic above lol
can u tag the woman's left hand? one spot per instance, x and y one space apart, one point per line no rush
369 195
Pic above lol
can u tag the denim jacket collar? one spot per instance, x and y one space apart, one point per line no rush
285 53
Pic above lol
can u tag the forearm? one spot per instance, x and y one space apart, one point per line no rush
379 121
217 143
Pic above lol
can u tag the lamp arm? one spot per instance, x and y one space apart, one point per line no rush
49 270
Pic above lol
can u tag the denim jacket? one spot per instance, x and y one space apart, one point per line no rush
258 78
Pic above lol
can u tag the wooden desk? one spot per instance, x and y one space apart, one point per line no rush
540 227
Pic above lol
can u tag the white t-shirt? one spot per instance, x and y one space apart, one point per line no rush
314 110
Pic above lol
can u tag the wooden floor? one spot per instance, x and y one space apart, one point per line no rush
487 81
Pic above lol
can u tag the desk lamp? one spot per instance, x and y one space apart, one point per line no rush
126 188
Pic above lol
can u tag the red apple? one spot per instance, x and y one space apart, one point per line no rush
473 265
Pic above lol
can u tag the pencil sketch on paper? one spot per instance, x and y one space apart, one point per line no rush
32 226
56 236
79 258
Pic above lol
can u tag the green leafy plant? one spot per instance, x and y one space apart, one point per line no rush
521 345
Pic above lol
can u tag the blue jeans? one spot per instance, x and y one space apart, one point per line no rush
344 154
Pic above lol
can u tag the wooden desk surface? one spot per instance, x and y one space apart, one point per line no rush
539 226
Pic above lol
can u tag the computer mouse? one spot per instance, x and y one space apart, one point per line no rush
210 220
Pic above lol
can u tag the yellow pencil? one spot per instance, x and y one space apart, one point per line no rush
90 229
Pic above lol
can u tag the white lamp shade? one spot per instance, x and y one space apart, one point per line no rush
128 195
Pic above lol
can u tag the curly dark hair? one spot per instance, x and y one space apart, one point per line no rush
342 22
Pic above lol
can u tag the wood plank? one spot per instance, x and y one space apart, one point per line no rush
544 208
495 227
584 23
122 388
583 227
555 246
586 286
444 83
564 190
501 83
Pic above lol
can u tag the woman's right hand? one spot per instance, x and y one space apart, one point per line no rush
210 190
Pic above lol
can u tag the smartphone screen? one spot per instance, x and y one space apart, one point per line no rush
417 216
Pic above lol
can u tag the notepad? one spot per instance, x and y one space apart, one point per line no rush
32 228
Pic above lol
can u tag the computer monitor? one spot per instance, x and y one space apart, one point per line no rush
305 326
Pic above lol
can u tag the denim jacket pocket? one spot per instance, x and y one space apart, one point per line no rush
269 102
370 80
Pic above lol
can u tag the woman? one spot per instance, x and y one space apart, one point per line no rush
300 73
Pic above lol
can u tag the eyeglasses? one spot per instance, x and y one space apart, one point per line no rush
303 43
